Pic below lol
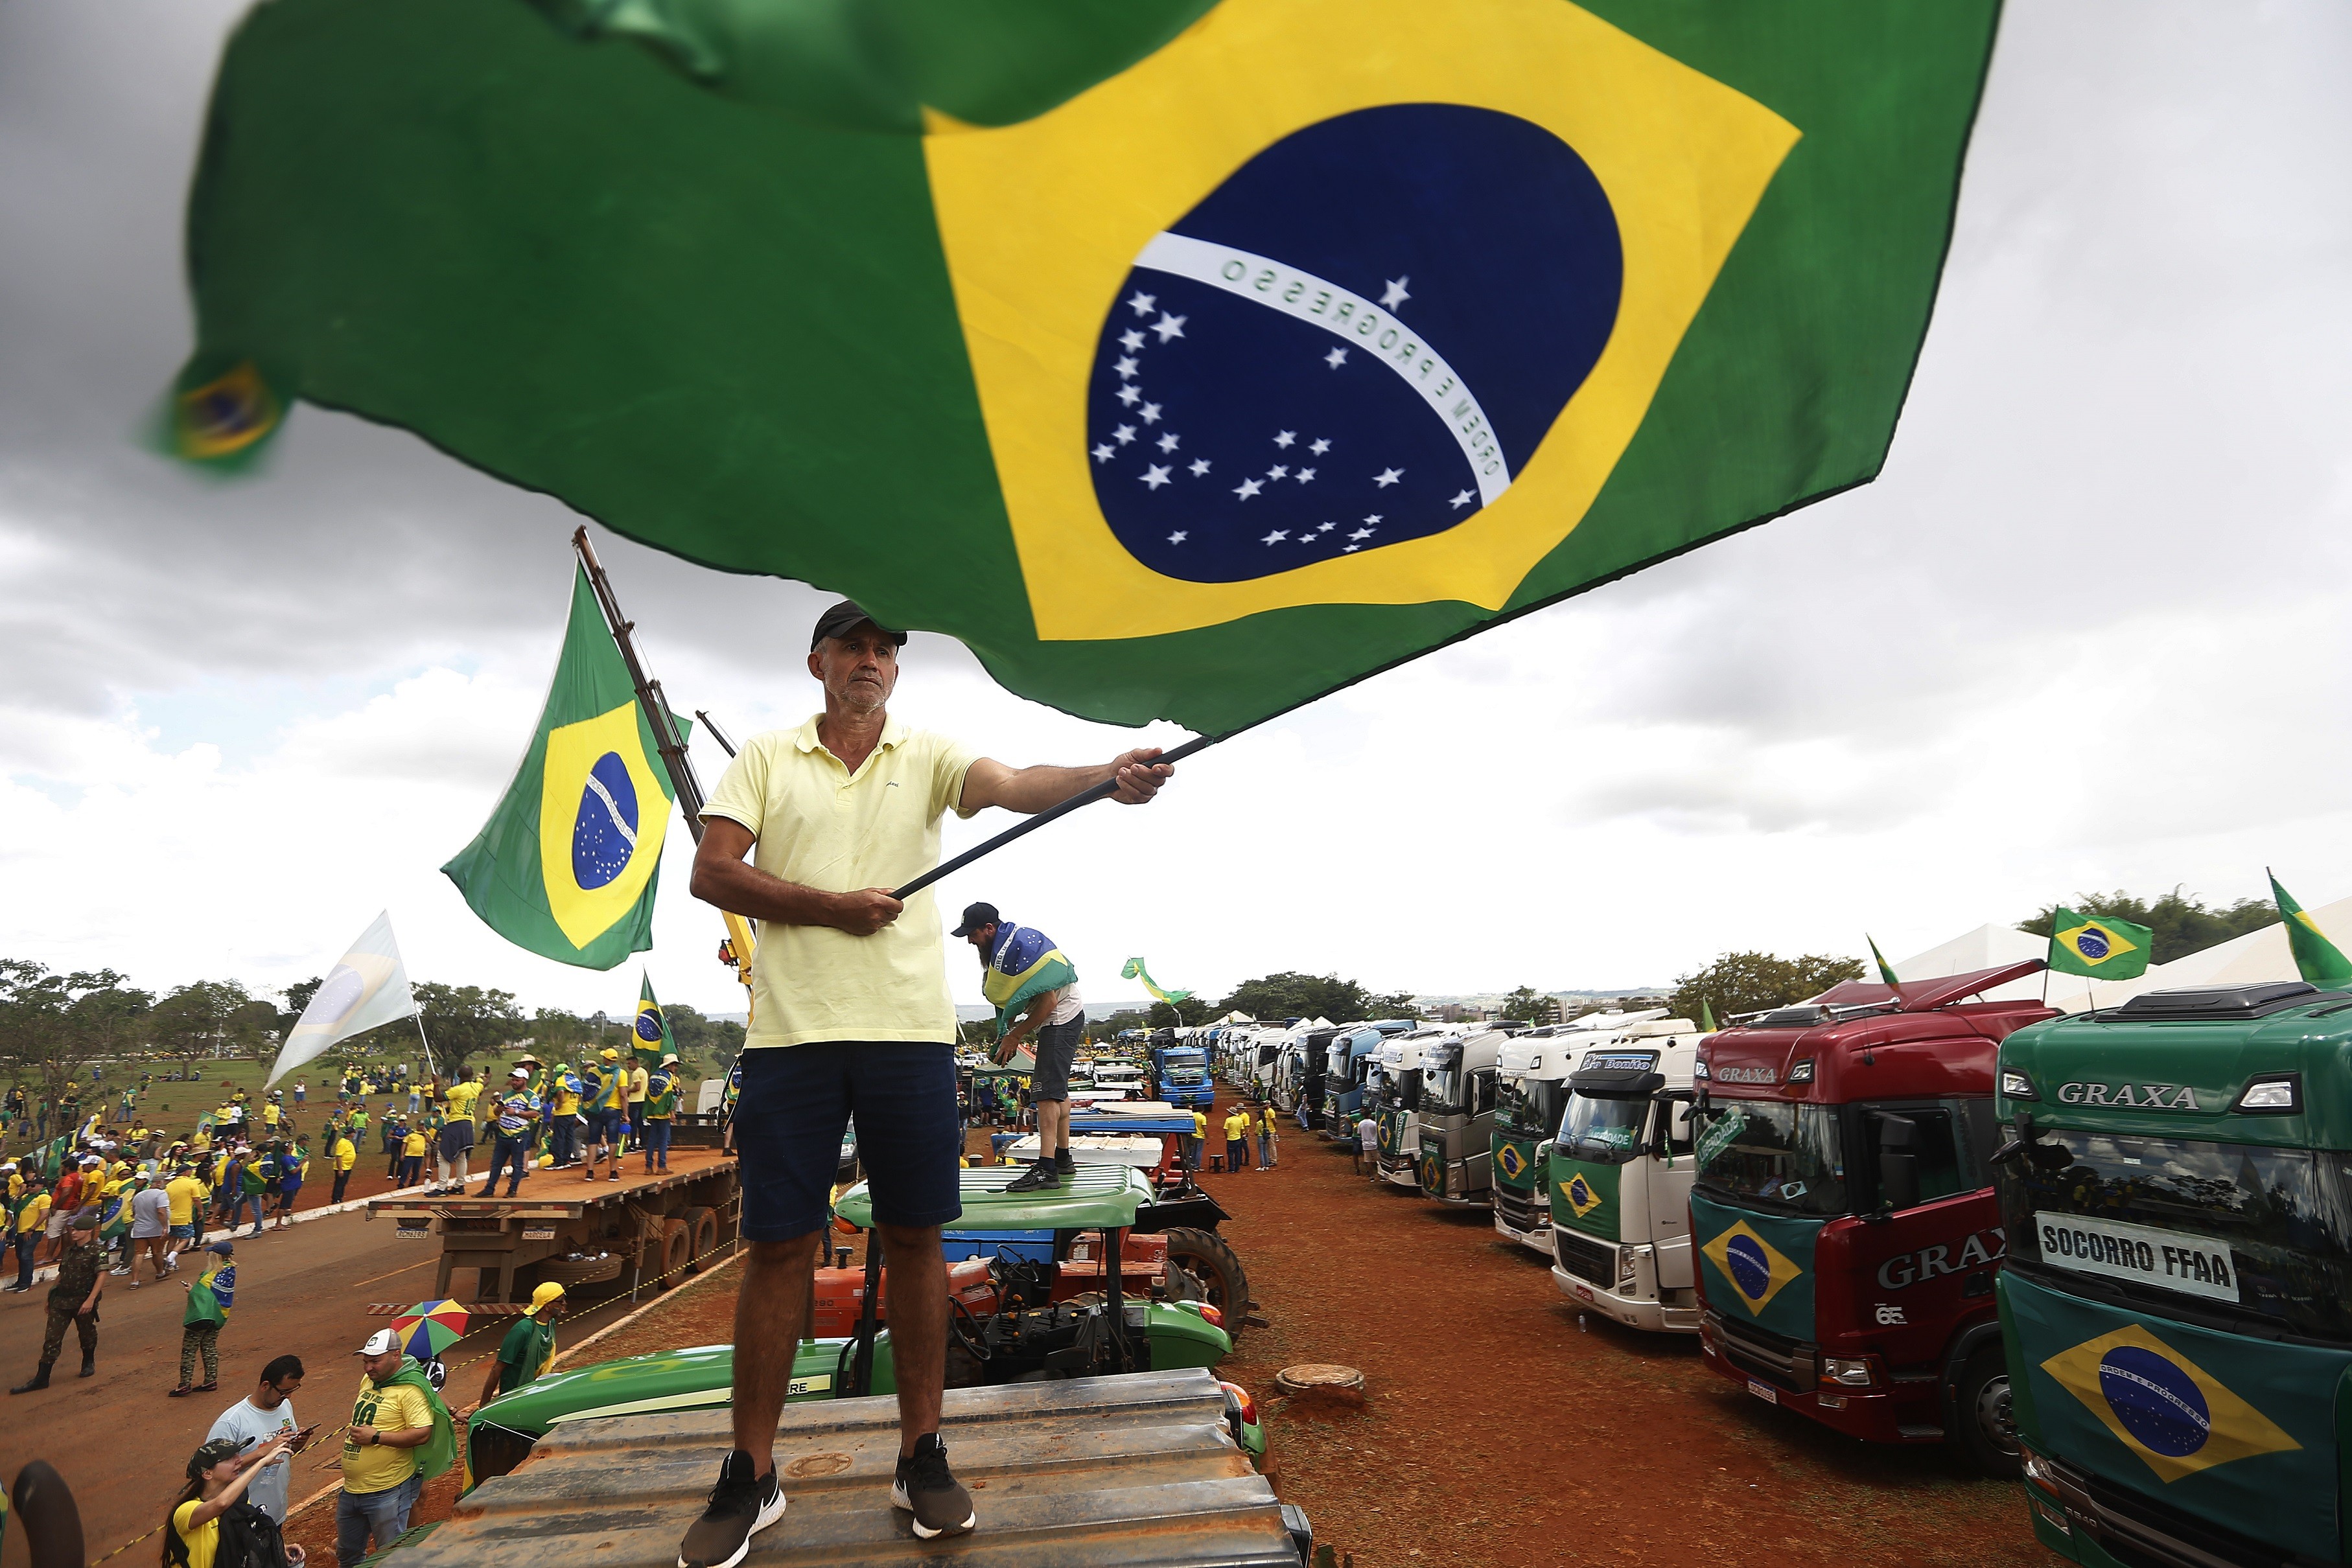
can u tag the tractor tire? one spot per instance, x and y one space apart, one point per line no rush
670 1253
702 1237
1987 1431
1213 1273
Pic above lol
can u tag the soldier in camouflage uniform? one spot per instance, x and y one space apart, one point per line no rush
73 1300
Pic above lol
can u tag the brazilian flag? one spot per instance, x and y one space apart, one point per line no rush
1186 358
568 862
2316 959
2101 948
651 1037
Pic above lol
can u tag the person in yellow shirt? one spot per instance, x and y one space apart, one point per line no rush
390 1420
32 1219
218 1477
1237 1129
1200 1137
412 1157
346 1156
1266 1138
456 1148
187 1197
639 1078
563 1131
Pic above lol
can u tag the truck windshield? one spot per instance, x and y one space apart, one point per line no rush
2285 1217
1602 1132
1183 1072
1530 1107
1768 1151
1444 1087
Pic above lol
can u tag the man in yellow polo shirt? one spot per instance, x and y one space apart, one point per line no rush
850 1008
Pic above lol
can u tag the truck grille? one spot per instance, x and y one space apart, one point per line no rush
1584 1258
1520 1210
2141 1532
1777 1359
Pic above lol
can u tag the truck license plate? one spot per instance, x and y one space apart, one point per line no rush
1764 1391
539 1233
411 1232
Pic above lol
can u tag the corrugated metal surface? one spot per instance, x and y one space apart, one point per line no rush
1106 1472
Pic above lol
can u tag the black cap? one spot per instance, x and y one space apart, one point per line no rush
843 619
976 915
213 1453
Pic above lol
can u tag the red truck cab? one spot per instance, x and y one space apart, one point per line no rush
1844 1213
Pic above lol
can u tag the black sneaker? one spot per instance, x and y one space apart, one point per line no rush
741 1505
1035 1179
1065 1163
926 1488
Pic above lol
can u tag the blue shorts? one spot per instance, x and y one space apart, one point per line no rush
796 1102
186 1232
607 1125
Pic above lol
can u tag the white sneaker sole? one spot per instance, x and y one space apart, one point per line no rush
768 1515
898 1499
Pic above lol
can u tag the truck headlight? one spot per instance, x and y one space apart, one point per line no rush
1849 1371
1628 1267
2017 1085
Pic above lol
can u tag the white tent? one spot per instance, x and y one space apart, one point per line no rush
1983 948
2256 957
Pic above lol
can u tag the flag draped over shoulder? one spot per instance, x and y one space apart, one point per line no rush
1133 969
1025 964
1249 347
367 986
2316 958
651 1037
569 861
2101 948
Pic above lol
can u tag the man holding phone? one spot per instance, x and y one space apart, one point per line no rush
261 1419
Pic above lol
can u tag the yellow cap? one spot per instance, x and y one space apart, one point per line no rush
548 1290
611 1055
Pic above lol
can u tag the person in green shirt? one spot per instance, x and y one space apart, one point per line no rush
210 1300
528 1347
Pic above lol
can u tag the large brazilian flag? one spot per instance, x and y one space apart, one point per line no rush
569 861
1185 359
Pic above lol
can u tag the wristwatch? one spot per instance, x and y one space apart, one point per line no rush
374 1437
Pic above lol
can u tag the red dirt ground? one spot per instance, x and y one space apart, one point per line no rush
1494 1432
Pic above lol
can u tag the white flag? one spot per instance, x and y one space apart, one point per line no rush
367 986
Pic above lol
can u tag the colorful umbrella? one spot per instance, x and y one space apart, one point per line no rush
429 1328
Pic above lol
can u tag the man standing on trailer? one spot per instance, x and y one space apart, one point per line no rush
851 1013
1008 953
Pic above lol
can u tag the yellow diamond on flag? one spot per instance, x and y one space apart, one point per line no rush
2177 1417
1513 1163
1582 1199
2096 944
601 816
1758 1269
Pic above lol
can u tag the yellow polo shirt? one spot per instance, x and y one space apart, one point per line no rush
823 827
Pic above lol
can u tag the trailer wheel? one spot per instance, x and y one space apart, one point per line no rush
677 1246
702 1237
1212 1272
1987 1429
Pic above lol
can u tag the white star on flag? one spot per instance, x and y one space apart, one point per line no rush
1387 477
1285 438
1350 550
1129 393
1305 475
1104 452
1396 295
1336 358
1142 303
1154 476
1361 534
1373 521
1130 339
1124 434
1277 472
1150 413
1177 537
1199 466
1247 489
1169 326
1463 499
1168 442
1327 528
1276 537
1320 446
1125 366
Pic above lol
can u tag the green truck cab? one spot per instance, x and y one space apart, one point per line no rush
2177 1304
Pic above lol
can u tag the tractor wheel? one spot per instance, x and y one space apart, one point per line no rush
702 1236
1212 1273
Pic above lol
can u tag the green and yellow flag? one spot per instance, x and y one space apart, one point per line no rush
568 862
1247 345
1133 969
1885 969
652 1037
2101 948
2316 958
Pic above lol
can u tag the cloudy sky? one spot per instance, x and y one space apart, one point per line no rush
2087 632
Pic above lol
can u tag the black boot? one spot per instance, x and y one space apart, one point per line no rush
89 1363
40 1380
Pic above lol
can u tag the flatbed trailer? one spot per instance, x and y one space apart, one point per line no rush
641 1233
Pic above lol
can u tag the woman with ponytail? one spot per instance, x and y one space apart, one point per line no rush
211 1525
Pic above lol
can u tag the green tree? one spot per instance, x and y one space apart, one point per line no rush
54 1027
1293 995
463 1021
1528 1005
701 1038
2182 923
208 1018
297 996
554 1029
1189 1013
1750 982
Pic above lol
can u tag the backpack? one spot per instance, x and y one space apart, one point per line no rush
248 1539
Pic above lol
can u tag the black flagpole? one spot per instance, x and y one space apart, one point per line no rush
667 739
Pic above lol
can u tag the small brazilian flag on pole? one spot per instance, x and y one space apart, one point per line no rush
567 864
1885 969
653 1036
2316 958
1186 358
2101 948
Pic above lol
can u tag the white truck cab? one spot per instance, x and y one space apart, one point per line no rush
1619 1170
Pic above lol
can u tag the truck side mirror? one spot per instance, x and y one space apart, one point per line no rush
1898 1167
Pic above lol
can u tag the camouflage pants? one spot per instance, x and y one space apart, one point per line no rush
53 1343
199 1339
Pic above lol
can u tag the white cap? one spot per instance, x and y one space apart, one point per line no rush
519 1073
384 1341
